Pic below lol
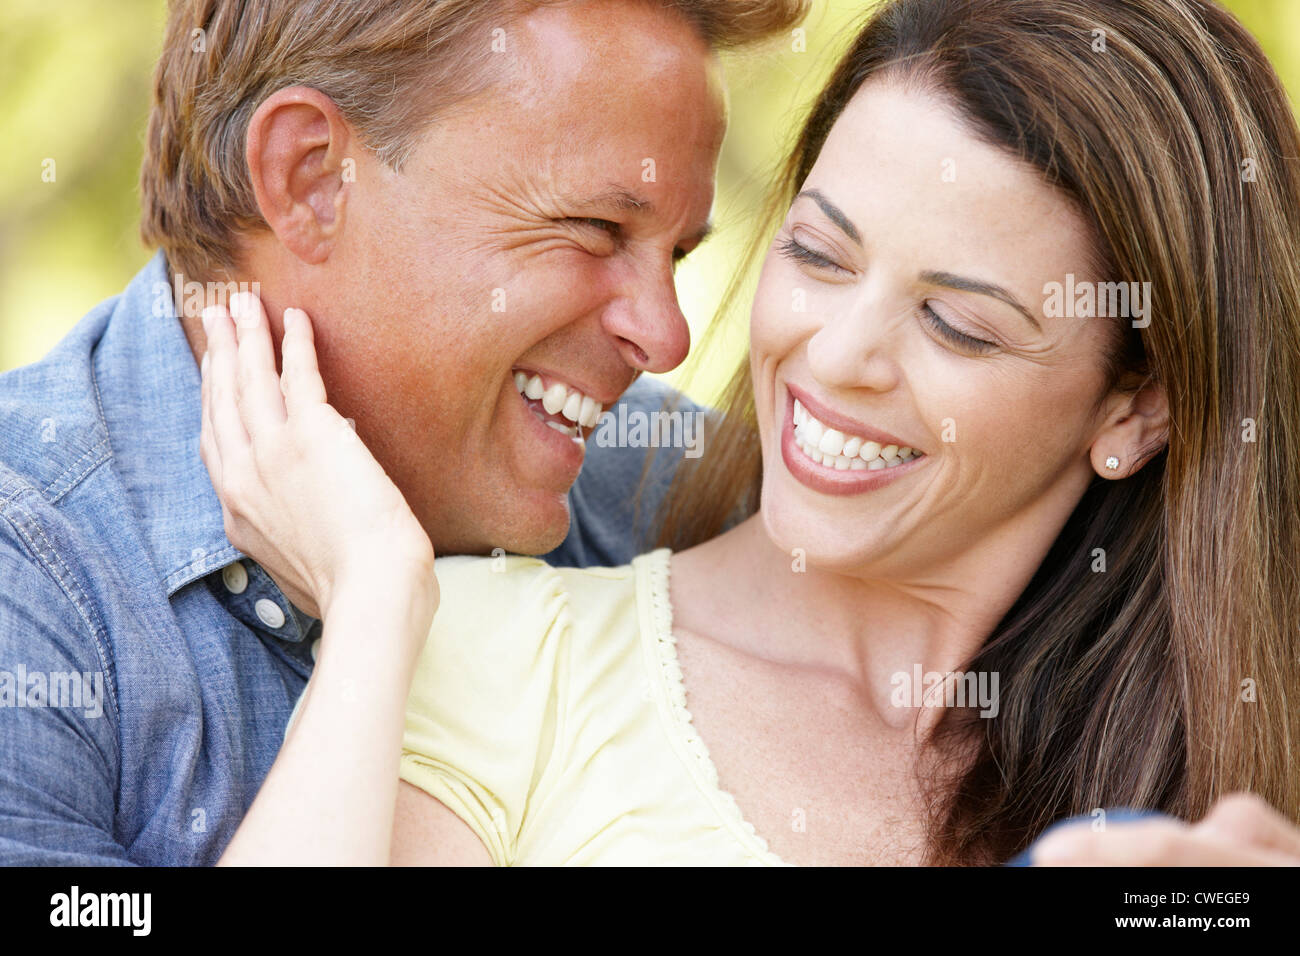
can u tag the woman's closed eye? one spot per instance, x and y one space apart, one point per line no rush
955 337
793 249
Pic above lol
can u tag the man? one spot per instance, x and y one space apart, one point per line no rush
465 196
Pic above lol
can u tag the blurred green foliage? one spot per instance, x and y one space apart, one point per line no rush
74 89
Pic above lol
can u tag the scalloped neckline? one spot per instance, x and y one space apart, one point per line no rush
654 568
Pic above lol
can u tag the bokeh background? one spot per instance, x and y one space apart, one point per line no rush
74 88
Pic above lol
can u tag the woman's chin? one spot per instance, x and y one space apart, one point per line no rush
816 541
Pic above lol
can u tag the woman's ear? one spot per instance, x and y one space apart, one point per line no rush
1135 430
296 150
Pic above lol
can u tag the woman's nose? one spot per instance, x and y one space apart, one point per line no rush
855 349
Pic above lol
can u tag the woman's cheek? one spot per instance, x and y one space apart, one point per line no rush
764 324
1022 437
784 316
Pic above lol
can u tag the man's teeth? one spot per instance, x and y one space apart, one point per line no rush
560 399
834 449
553 398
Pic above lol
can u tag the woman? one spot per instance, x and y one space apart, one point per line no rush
964 450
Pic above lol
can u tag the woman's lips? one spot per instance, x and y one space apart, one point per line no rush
871 465
829 418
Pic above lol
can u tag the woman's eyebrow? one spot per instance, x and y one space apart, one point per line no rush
833 213
947 279
963 284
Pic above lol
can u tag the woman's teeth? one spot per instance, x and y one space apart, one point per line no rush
834 449
559 399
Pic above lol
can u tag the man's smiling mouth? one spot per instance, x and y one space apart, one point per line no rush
558 405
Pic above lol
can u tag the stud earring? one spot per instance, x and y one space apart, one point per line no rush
1112 463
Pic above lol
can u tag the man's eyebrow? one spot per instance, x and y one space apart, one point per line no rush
622 199
833 213
964 284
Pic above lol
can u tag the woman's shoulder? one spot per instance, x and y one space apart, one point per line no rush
515 578
528 672
515 642
512 598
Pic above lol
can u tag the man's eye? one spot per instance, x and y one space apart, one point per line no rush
793 249
604 225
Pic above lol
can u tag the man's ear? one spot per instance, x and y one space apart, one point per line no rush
296 146
1135 429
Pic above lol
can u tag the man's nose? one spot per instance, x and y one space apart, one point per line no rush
647 324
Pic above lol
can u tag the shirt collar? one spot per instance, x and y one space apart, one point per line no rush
149 392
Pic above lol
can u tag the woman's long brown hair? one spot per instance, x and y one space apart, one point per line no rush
1173 677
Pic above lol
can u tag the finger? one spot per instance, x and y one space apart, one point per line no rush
230 440
261 406
207 446
1201 849
1247 818
1081 845
1153 843
300 382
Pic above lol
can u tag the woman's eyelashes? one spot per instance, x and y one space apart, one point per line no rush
955 337
792 248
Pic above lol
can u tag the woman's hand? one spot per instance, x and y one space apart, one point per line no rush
1240 830
300 493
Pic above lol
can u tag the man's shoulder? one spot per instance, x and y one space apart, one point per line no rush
648 431
51 430
653 394
632 457
52 438
46 610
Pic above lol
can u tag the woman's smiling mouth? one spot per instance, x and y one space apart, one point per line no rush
840 461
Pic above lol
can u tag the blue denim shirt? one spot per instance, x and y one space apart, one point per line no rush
147 668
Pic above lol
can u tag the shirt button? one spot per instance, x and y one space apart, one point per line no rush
235 577
269 613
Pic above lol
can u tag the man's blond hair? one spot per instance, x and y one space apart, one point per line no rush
389 65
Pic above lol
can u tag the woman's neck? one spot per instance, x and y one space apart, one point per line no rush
742 589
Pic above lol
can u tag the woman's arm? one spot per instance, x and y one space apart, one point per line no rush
301 494
330 795
427 833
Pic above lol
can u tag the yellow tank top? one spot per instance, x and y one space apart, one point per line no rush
548 712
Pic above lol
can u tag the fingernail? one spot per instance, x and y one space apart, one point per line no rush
290 318
242 310
208 315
